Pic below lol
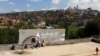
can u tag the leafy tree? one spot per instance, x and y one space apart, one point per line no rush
8 36
81 33
72 32
21 25
13 36
93 27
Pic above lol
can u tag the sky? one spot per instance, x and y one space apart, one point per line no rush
37 5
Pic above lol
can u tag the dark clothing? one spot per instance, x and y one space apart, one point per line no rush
13 47
26 46
97 50
37 45
42 44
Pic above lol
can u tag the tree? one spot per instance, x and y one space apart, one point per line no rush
93 27
21 25
8 36
81 33
72 32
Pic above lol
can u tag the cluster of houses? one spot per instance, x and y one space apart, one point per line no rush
40 19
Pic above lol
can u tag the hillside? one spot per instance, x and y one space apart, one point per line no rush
52 17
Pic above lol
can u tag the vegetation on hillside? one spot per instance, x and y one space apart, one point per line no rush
10 35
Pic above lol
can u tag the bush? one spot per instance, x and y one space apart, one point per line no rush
8 36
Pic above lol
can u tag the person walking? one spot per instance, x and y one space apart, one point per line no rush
97 50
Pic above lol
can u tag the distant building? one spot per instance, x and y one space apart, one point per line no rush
4 20
15 21
42 24
49 27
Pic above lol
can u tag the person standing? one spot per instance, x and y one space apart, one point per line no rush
97 50
42 44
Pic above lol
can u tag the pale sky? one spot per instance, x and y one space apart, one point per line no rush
36 5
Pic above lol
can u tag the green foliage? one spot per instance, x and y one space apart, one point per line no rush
8 36
24 25
21 25
72 32
93 27
81 33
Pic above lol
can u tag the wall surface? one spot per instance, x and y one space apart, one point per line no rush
48 35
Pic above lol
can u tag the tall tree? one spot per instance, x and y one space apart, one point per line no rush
93 27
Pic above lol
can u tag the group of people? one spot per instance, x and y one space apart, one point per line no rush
42 44
34 45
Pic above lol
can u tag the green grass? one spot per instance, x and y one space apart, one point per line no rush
72 28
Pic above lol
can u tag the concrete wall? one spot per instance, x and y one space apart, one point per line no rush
48 35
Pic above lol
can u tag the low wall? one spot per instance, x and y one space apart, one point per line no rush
5 46
70 41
